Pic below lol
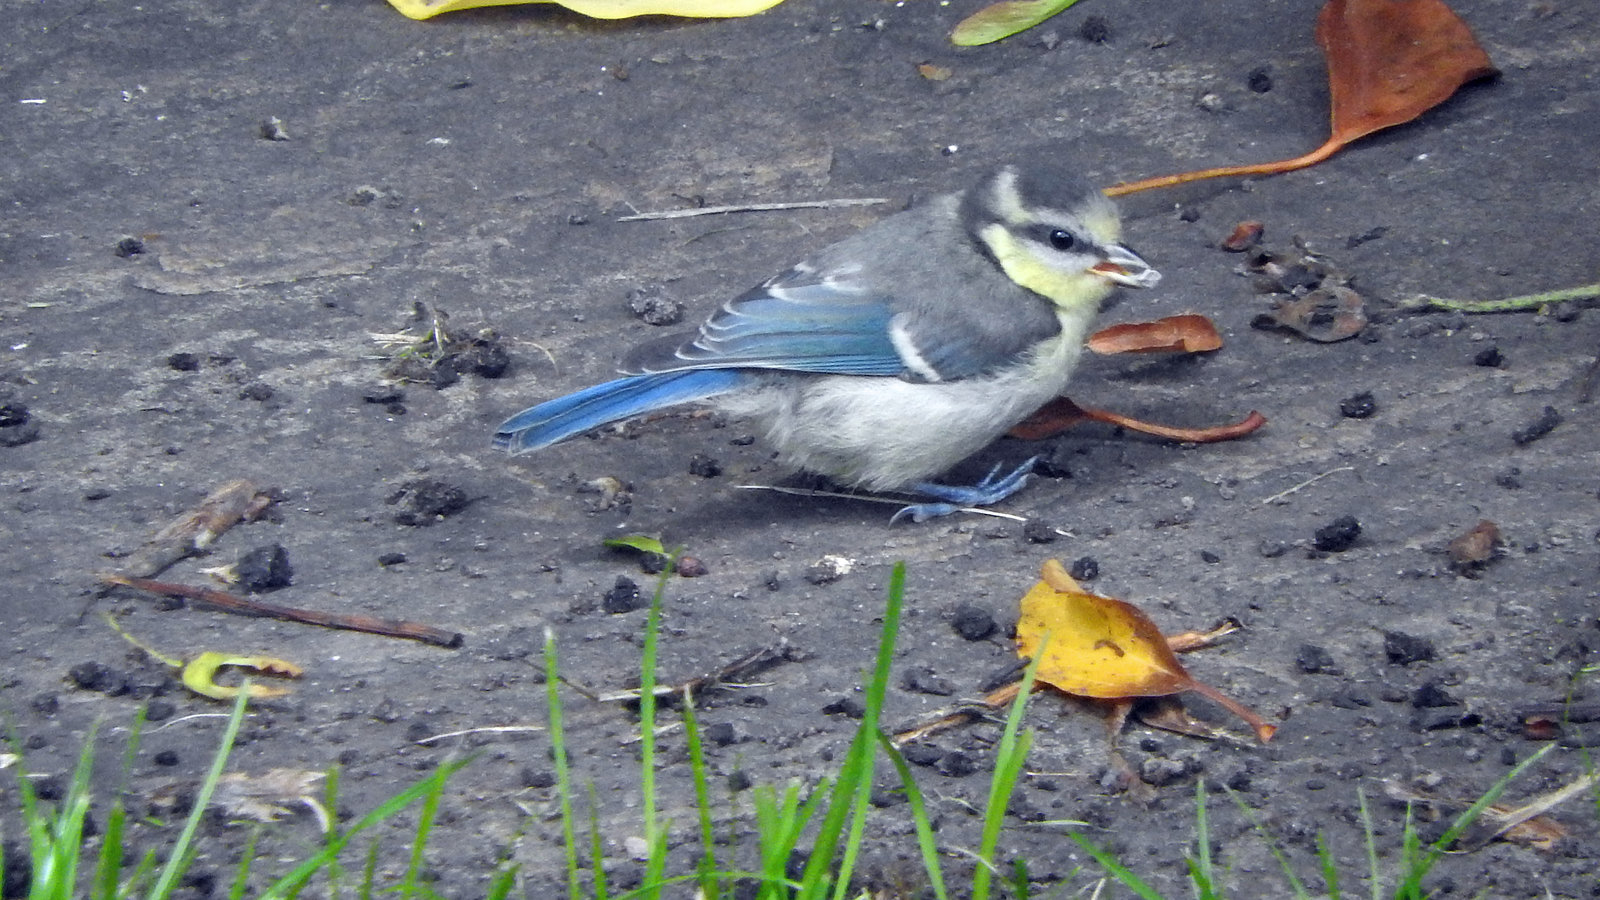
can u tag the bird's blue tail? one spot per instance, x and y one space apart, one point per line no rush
563 417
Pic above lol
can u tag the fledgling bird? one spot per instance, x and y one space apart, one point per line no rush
885 359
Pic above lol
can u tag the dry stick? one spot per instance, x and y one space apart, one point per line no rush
751 207
227 602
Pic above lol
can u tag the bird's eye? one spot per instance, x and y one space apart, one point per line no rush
1061 239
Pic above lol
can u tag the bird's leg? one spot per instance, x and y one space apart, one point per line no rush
989 491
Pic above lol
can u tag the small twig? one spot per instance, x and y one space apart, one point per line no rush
1305 484
752 207
171 722
1511 304
227 602
730 674
487 729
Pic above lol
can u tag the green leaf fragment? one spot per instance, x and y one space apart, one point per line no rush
643 543
1002 20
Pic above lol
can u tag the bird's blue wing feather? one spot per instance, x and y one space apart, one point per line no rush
796 322
563 417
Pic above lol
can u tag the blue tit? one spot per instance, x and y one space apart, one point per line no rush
887 358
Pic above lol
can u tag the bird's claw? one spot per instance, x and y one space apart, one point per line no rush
991 490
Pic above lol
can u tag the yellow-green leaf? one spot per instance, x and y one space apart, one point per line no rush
643 543
199 674
601 9
1002 20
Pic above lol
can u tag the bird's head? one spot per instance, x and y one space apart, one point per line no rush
1054 234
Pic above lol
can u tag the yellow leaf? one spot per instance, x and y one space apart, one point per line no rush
600 9
199 674
1104 648
1099 647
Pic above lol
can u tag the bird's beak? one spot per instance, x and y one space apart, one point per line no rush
1123 266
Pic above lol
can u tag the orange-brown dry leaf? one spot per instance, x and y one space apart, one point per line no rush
1104 648
1188 333
1389 61
1062 414
1476 547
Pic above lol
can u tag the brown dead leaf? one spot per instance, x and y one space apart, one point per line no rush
1326 315
1389 61
1062 414
1104 648
1188 333
267 797
1244 236
1476 547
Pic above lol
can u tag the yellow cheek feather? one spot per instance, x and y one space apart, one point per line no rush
1068 290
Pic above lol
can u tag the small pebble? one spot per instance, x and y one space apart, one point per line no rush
1432 695
1037 532
704 466
264 569
623 597
1084 568
919 753
1489 357
653 305
1538 428
1338 536
1360 406
849 707
1314 660
1260 79
1095 30
1403 649
957 764
973 623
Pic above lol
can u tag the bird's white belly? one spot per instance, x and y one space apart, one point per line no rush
885 433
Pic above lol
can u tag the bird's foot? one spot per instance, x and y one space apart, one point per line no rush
991 490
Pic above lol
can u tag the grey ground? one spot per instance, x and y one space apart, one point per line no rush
477 163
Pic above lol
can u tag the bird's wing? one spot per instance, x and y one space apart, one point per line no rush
866 306
805 320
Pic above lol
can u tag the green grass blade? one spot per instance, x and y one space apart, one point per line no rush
297 877
1118 871
109 867
597 856
855 777
558 753
1201 871
178 860
1424 863
1330 869
241 875
1295 885
710 887
654 833
1374 875
334 872
926 843
411 883
1009 759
